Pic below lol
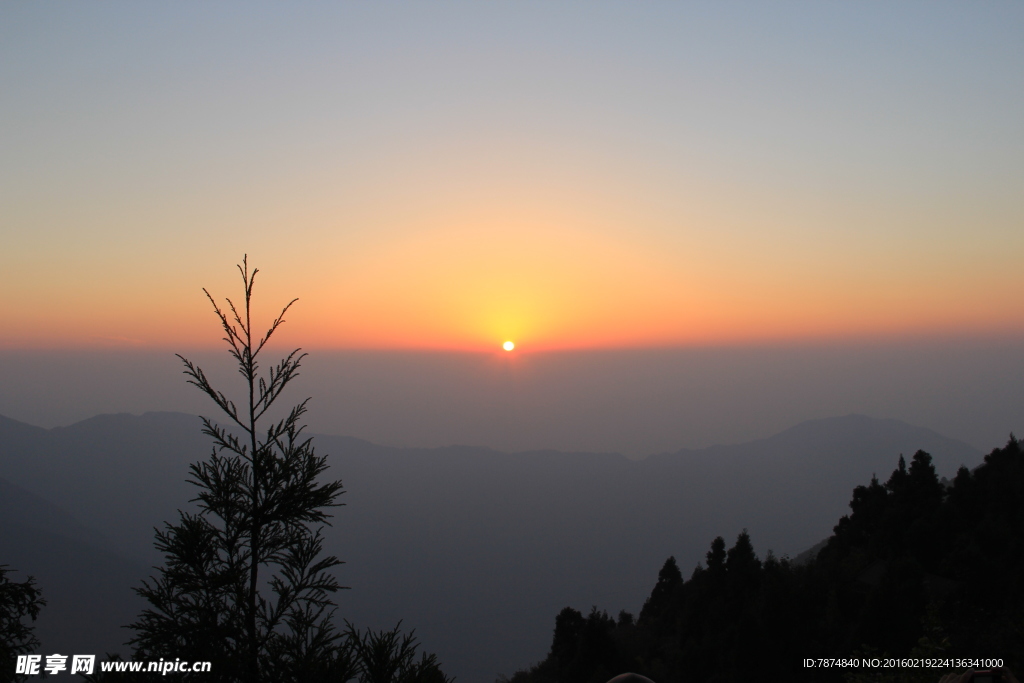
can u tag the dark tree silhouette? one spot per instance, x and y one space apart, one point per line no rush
388 657
920 568
17 601
244 585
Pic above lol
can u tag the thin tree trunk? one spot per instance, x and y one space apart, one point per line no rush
254 542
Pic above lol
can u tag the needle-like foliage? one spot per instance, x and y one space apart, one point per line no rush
17 601
245 585
390 657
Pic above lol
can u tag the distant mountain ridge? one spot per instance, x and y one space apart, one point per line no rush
85 582
473 547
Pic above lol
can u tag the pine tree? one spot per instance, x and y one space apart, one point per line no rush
244 585
17 601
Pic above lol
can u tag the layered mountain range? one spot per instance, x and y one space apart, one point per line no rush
473 548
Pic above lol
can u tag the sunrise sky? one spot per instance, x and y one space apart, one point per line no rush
697 222
563 175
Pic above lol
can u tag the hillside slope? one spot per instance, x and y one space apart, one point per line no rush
476 548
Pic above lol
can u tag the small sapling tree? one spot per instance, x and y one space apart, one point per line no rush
245 585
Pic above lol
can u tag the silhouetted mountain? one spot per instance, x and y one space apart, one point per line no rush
86 584
121 473
476 548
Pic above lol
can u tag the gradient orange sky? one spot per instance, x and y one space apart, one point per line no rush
454 175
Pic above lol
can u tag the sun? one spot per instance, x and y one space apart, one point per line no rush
508 346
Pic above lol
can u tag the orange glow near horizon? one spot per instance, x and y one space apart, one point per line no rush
552 284
548 288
